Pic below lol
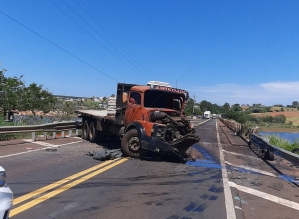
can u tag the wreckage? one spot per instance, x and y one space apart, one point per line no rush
146 118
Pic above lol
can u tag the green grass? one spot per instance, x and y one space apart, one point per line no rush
7 137
284 144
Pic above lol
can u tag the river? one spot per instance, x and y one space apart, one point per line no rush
289 136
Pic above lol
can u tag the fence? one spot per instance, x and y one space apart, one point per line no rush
234 126
50 127
265 149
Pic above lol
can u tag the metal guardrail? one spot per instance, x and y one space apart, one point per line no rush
234 126
265 146
50 127
266 150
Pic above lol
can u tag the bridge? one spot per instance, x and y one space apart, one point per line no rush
55 178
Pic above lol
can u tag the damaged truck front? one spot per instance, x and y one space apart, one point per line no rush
149 118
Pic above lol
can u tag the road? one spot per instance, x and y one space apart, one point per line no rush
56 179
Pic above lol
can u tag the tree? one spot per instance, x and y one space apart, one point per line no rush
14 95
236 107
35 98
11 89
295 104
205 106
189 107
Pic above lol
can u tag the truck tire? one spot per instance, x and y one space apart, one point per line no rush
92 132
130 144
85 131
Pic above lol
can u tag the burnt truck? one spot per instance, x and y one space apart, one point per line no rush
147 118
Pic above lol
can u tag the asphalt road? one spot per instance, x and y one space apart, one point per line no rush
229 181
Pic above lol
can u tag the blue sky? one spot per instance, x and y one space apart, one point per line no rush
235 51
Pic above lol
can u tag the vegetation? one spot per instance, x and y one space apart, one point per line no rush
284 144
5 137
14 95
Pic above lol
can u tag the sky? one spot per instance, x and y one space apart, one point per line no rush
221 51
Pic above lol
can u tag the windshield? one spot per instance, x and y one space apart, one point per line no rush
162 99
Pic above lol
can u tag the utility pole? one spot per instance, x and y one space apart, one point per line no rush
193 105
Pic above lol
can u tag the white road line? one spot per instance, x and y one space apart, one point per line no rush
230 208
26 152
266 196
42 143
201 123
253 169
243 155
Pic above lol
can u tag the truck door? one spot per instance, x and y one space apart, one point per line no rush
133 111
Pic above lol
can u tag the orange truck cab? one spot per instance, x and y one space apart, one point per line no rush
152 119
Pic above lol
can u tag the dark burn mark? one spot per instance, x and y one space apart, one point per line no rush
189 207
200 208
204 196
213 197
215 189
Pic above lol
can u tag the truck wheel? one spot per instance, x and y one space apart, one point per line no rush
130 144
85 131
92 132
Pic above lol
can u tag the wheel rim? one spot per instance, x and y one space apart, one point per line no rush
133 144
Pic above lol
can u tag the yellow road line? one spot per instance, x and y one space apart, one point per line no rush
58 183
62 189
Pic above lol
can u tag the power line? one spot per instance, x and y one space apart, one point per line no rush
100 35
182 76
93 36
102 24
59 47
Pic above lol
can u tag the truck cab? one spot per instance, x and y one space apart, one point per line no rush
147 118
153 116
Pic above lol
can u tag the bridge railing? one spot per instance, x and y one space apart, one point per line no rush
234 126
62 127
264 149
268 150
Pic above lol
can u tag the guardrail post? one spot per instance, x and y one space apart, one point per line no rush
45 135
54 135
33 136
77 132
70 133
62 134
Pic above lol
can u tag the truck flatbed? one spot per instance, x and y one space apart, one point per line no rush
100 114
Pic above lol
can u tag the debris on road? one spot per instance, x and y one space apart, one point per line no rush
194 154
106 154
51 149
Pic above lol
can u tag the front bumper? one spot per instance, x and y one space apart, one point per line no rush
178 147
6 198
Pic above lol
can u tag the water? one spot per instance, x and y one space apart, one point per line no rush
289 136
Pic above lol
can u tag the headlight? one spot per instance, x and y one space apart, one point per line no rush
2 178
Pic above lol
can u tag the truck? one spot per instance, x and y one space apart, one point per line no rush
147 118
207 114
